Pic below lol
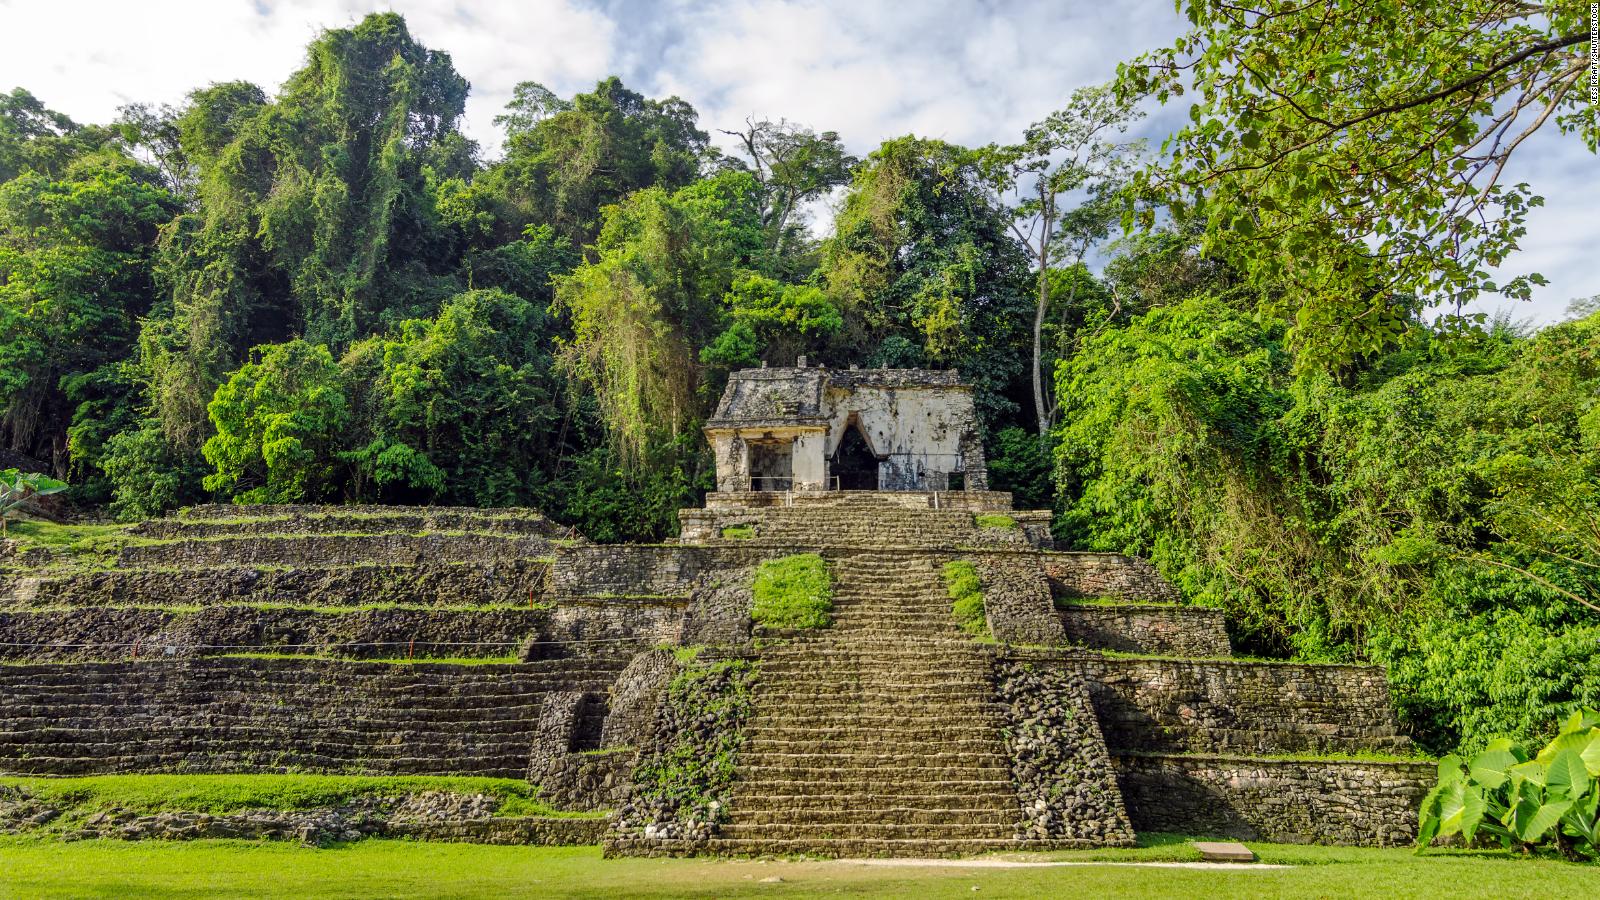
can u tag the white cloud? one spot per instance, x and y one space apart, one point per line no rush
969 71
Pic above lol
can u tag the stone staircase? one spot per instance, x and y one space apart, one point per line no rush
879 735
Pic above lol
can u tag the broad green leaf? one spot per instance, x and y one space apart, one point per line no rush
1591 753
1452 806
1472 811
1531 771
1489 767
1532 824
1566 775
1450 769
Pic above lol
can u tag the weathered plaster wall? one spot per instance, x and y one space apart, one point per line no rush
1290 801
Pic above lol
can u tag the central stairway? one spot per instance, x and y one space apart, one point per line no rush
879 735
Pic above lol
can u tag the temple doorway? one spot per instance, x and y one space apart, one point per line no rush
772 465
854 463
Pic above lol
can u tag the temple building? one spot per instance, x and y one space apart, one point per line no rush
820 429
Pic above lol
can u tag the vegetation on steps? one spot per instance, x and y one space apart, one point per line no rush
684 778
793 592
966 597
996 520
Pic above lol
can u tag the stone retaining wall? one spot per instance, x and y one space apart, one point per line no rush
1016 599
1156 630
118 633
330 550
1109 575
1210 706
331 520
507 582
1288 801
279 715
1059 762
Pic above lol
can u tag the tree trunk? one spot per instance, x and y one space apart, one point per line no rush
1039 409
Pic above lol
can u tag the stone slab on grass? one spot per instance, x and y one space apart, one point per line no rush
1224 851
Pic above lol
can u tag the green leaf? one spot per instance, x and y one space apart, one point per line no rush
1532 825
1566 775
1489 768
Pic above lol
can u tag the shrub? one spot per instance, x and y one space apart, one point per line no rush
966 597
1548 800
793 592
995 520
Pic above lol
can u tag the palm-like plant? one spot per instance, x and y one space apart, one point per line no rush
1521 800
17 486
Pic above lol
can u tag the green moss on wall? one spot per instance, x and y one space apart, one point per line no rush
793 592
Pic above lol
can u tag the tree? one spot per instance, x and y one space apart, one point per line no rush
75 276
1354 151
792 165
1071 151
279 421
463 407
924 270
650 300
566 161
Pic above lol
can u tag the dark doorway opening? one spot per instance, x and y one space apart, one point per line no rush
854 463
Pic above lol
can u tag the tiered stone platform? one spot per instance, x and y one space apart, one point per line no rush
377 640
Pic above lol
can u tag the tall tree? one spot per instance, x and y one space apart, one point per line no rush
792 165
1355 150
567 160
1072 151
315 213
925 271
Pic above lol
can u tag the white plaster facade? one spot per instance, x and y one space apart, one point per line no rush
814 429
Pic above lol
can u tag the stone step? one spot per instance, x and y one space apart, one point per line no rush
886 805
870 831
942 789
907 775
821 819
852 741
867 757
901 847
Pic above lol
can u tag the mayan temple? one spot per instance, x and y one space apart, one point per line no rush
1069 702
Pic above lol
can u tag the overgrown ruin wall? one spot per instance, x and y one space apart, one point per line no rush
332 550
1146 629
1285 800
280 715
515 582
1106 575
1211 706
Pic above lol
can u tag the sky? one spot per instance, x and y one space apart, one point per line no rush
971 72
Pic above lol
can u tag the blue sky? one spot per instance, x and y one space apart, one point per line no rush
971 72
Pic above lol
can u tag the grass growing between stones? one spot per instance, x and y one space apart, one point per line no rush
222 794
966 597
995 520
384 868
793 592
738 532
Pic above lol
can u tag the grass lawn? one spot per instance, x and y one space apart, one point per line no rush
32 868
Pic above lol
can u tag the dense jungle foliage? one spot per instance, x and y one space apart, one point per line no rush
330 294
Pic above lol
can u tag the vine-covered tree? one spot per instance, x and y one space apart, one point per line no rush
1356 152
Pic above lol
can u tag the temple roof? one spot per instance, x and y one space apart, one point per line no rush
793 395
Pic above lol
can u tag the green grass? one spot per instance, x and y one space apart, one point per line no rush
380 868
995 520
221 794
966 597
793 592
738 532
